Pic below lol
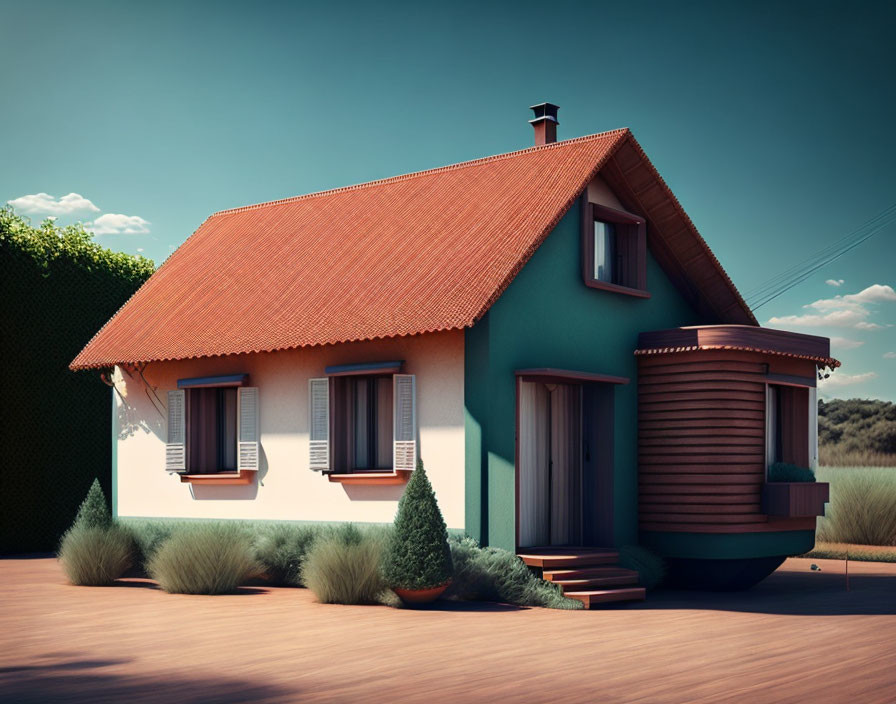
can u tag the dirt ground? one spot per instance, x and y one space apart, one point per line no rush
797 637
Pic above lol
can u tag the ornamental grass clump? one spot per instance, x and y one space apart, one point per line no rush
281 550
862 509
651 568
93 556
95 551
207 558
492 574
342 566
418 555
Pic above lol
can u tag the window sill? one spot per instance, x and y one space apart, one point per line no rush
367 478
242 477
616 288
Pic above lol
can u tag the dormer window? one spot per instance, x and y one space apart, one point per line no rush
614 250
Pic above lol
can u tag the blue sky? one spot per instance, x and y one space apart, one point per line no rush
771 122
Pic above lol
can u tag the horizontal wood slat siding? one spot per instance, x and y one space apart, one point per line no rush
701 442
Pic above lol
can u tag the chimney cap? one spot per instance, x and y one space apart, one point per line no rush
544 111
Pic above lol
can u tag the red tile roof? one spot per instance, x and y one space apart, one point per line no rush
417 253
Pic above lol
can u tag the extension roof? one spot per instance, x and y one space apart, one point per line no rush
418 253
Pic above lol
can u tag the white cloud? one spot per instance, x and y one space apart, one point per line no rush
849 311
844 343
889 355
118 224
839 380
837 283
45 203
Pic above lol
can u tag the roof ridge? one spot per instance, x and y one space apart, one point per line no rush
416 174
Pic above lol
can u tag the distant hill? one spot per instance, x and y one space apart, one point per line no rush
857 432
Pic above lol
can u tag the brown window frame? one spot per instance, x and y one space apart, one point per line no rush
630 246
341 434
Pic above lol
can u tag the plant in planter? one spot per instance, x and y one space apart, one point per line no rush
418 563
784 472
792 492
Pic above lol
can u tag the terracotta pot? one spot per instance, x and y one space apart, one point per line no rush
421 596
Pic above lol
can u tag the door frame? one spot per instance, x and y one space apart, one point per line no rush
606 468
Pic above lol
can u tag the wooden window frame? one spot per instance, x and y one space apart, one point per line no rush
338 426
631 248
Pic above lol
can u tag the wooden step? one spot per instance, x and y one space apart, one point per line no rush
597 582
591 598
588 573
554 558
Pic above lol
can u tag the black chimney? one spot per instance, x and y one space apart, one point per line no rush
545 123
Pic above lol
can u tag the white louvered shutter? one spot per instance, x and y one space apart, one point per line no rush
404 445
247 428
176 449
319 414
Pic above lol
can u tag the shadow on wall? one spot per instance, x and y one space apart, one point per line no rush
389 492
94 681
130 421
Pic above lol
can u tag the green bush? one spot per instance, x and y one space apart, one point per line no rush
205 558
58 287
418 556
343 566
492 574
651 568
281 550
95 556
94 512
783 472
862 509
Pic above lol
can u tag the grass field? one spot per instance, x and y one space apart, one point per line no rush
861 515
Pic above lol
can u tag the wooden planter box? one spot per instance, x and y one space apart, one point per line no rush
795 499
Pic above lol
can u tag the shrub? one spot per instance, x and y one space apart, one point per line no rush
783 472
651 568
95 556
492 574
862 508
343 566
281 550
418 556
94 512
206 558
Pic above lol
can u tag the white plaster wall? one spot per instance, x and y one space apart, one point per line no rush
286 489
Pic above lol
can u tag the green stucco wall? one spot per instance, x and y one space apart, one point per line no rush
547 317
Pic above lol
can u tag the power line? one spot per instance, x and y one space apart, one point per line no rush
796 274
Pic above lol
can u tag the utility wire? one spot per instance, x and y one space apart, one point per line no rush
821 255
798 273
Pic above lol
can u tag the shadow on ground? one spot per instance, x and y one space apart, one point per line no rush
86 681
793 593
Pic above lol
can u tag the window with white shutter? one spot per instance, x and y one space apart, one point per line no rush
404 445
319 413
176 449
247 430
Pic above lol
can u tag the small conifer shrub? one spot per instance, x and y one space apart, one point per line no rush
94 511
418 555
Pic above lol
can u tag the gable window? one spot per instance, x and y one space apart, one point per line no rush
614 250
212 426
363 422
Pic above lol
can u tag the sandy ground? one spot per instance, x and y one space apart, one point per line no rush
797 637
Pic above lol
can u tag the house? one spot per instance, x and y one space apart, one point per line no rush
545 328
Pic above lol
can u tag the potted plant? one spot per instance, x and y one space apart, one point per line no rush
418 564
792 491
